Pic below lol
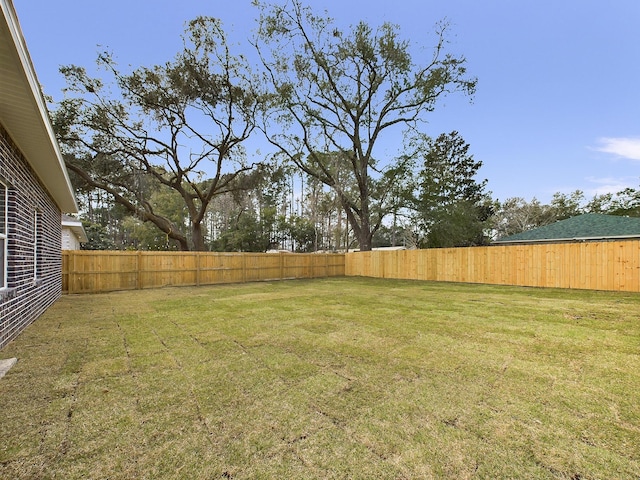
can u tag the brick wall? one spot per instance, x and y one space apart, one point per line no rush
33 282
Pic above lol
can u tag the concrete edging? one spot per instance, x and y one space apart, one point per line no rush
6 364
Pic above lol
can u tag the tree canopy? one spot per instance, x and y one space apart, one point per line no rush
451 205
336 95
180 125
158 154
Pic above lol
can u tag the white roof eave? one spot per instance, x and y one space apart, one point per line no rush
24 115
77 229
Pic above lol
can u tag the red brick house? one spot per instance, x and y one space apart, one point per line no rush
34 188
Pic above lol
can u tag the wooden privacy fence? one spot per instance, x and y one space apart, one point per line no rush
102 271
588 265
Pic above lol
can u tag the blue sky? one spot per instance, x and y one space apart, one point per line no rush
558 101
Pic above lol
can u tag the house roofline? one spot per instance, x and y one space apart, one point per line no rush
76 227
566 240
28 108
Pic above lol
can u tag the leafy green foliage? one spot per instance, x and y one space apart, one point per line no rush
98 237
452 206
625 202
247 233
516 215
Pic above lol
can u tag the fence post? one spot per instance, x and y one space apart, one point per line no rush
139 271
71 268
244 267
281 265
76 276
62 266
197 269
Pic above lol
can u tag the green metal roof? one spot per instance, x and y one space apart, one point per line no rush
591 226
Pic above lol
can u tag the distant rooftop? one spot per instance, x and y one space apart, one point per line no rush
591 226
75 226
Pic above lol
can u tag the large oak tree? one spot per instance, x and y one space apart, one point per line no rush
338 95
180 126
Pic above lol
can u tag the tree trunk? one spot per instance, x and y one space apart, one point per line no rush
364 234
365 240
182 242
198 237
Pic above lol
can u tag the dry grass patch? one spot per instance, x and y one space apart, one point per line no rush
335 378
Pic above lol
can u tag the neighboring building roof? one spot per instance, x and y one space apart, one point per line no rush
76 227
23 112
591 226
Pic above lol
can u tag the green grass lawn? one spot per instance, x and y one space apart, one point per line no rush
327 379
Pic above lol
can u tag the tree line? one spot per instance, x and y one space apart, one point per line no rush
160 156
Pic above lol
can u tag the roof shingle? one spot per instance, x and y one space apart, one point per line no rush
590 226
